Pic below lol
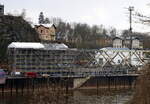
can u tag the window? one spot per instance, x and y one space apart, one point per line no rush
41 31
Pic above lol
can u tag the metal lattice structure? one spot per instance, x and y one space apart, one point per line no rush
110 62
74 62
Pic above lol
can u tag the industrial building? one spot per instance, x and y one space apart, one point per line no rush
38 57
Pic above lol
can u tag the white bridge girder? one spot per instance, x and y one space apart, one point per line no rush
130 57
97 60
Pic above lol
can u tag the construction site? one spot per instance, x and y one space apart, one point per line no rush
37 57
71 69
59 61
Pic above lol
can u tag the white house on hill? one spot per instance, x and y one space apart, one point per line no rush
117 42
133 43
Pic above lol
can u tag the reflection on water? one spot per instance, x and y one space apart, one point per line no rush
103 97
78 97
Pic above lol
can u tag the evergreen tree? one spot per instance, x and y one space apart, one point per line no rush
41 18
46 21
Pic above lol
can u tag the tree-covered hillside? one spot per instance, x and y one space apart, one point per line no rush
14 28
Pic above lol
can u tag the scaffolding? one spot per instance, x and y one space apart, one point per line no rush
73 62
49 59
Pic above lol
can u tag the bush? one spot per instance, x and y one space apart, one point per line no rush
142 93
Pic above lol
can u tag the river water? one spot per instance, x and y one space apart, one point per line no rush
77 97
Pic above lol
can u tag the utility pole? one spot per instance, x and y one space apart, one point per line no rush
131 8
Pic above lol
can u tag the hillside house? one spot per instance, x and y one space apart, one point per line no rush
47 32
117 42
104 41
133 43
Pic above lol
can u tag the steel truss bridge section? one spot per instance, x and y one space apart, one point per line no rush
110 62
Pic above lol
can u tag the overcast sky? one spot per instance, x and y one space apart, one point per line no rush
106 12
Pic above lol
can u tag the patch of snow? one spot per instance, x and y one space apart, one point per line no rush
26 45
51 46
55 46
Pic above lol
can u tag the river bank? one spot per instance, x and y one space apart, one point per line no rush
77 97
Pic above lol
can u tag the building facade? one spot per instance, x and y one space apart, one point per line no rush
104 41
126 43
1 10
133 43
136 43
46 32
37 57
117 42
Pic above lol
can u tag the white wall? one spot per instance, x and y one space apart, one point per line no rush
135 43
117 43
119 58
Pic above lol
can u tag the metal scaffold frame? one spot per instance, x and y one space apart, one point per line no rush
77 62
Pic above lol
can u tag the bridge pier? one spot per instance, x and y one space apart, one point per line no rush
78 82
90 82
105 82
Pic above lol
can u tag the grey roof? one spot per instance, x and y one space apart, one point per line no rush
45 25
55 46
